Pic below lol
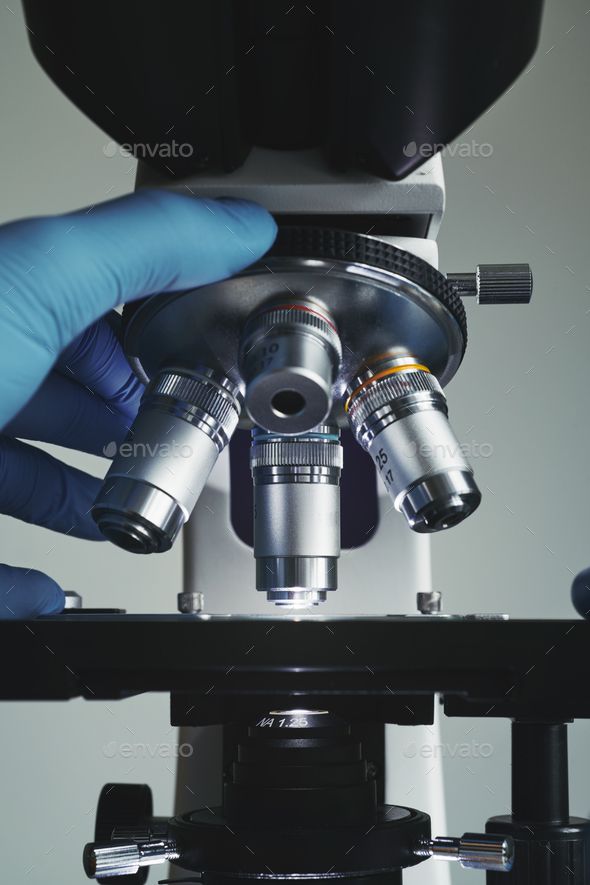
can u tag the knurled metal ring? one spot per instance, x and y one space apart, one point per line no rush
340 245
291 453
384 391
303 316
217 400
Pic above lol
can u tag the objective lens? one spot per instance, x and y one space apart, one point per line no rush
398 413
184 422
296 514
289 355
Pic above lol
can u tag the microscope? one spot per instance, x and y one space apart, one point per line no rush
283 393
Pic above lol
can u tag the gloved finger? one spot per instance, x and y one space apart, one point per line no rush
59 274
96 361
581 593
67 414
27 593
39 489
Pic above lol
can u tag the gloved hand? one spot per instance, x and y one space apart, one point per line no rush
63 376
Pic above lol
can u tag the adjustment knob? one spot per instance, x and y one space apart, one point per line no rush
475 851
111 859
496 283
121 858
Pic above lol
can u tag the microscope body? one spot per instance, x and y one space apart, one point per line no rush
346 325
333 330
305 395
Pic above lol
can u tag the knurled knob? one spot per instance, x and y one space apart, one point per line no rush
111 859
496 283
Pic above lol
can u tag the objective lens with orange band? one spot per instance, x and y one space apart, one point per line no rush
398 414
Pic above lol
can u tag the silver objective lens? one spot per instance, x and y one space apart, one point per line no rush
398 413
296 515
290 354
185 420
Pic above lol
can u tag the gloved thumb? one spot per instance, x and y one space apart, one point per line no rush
27 593
59 274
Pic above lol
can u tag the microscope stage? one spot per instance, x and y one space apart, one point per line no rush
374 668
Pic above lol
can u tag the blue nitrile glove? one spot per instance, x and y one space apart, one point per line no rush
63 376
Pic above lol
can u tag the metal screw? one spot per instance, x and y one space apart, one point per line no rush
429 603
72 600
190 603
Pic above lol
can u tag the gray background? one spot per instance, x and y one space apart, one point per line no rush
521 396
